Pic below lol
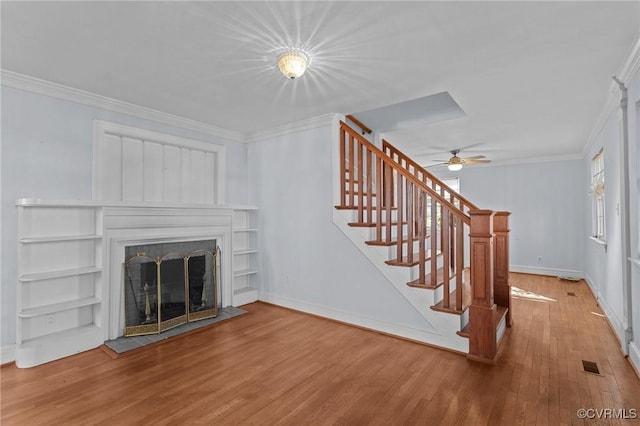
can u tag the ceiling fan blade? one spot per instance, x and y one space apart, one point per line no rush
471 161
441 161
435 165
475 157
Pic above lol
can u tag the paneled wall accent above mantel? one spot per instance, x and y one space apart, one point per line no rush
136 165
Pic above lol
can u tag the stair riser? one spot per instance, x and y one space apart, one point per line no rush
374 215
393 250
394 231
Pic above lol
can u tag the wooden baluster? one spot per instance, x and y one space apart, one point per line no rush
452 237
400 217
351 172
370 187
482 312
459 263
422 235
502 287
343 171
388 184
379 191
388 199
433 238
410 218
361 194
445 255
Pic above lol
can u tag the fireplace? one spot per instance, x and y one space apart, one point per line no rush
170 284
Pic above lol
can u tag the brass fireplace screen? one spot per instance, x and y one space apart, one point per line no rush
165 292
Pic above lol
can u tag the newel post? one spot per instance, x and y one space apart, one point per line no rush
482 311
502 292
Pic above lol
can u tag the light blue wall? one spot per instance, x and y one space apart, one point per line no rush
546 201
47 153
304 257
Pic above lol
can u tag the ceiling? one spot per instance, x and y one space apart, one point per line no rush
530 77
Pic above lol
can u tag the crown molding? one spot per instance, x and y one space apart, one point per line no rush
632 65
294 127
48 88
625 73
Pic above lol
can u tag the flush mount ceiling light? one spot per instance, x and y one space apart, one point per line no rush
293 63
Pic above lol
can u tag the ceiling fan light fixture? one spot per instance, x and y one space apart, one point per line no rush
454 167
293 63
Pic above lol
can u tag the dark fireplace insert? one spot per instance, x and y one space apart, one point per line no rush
169 284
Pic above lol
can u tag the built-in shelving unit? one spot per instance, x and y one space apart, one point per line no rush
59 274
245 255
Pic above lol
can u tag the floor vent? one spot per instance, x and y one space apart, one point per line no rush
590 367
570 293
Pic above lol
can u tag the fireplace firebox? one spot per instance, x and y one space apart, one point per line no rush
170 284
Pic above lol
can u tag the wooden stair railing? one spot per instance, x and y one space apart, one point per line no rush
495 285
377 187
430 180
377 183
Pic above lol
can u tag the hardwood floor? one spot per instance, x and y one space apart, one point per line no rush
276 366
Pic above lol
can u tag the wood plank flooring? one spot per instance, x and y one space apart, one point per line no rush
276 366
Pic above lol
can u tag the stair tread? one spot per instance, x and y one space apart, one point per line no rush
392 242
451 307
371 224
427 280
364 207
405 260
501 311
348 191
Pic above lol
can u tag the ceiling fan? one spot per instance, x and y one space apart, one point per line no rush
455 163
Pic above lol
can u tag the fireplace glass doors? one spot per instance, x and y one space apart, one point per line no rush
163 292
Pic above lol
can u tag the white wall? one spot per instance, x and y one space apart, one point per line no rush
605 270
305 260
47 153
546 201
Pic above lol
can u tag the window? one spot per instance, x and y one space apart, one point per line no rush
597 190
454 184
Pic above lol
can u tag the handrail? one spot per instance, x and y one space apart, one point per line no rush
463 201
410 177
359 123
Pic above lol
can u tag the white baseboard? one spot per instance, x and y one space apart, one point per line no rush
546 271
634 357
7 354
613 319
453 343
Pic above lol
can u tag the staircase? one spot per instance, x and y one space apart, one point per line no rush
446 256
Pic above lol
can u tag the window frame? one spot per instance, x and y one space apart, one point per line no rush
598 195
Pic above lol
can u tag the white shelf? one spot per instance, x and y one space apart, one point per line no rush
59 249
59 274
244 272
32 240
58 307
241 252
54 346
244 296
245 256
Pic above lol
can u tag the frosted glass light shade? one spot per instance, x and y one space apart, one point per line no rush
293 64
455 167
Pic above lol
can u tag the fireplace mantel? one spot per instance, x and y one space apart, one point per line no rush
78 247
